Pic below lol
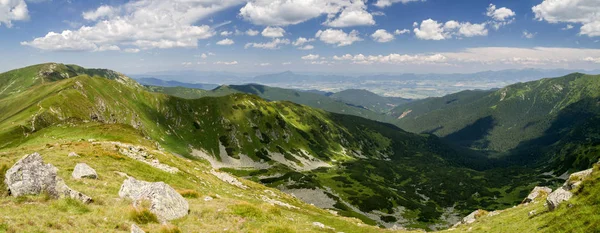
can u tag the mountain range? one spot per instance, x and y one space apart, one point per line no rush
419 164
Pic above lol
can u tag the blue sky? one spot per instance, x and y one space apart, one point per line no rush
437 36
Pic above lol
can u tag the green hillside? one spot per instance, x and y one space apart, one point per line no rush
507 120
358 167
369 100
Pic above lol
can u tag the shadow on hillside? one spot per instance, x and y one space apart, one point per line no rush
564 144
473 135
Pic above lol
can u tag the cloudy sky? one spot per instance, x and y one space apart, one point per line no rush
438 36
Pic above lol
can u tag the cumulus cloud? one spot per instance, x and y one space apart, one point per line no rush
500 16
354 15
432 30
228 63
568 27
528 35
592 59
382 36
311 57
226 33
273 32
265 64
393 59
301 41
306 47
251 32
274 44
340 13
338 37
226 41
13 10
584 12
386 3
101 13
144 24
403 31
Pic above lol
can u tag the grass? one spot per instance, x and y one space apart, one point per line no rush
3 188
169 228
142 215
70 206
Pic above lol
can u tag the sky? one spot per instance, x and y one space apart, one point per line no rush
402 36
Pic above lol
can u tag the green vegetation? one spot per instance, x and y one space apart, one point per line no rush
142 215
369 100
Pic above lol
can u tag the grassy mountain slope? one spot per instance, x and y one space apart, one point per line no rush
500 120
361 168
369 100
580 214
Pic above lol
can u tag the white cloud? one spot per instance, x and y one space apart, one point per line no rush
338 37
286 63
289 12
489 57
204 56
311 57
265 64
403 31
528 35
500 16
132 50
226 41
274 44
13 10
386 3
102 12
568 27
592 59
393 59
306 47
382 36
273 32
301 41
145 24
432 30
186 63
226 63
584 12
251 32
109 48
226 33
353 15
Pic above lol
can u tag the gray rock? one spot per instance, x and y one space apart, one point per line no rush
73 154
166 203
558 196
136 229
82 170
576 178
30 176
536 192
469 218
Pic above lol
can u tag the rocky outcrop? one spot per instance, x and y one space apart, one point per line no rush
82 170
537 192
136 229
166 203
229 179
471 217
564 193
30 176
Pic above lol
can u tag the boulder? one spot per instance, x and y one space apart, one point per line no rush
136 229
30 176
576 178
536 192
82 170
470 218
166 203
73 154
558 196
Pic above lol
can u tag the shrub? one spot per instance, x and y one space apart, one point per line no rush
169 229
142 215
188 193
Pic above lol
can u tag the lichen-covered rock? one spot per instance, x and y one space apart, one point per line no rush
557 197
30 176
82 170
576 178
166 203
471 217
73 154
136 229
536 192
